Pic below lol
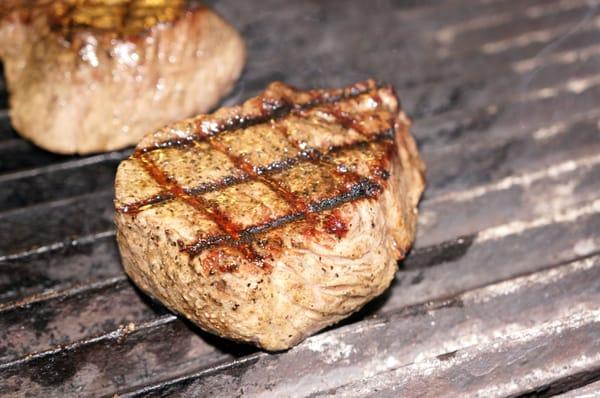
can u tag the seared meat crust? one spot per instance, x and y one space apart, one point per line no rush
269 221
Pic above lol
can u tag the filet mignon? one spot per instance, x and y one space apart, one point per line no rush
269 221
90 76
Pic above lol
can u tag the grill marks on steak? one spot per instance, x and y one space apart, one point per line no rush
277 102
282 157
269 221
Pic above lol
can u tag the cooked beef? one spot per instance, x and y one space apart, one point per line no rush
95 75
269 221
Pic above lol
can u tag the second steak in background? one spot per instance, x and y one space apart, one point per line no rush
91 76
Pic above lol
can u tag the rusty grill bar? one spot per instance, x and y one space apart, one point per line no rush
507 260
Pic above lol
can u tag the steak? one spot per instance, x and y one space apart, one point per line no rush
269 221
95 75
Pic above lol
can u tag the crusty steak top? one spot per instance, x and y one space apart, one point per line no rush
271 220
284 156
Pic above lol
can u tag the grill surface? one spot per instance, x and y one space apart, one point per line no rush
500 294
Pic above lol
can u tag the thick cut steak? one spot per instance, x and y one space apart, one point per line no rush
95 75
269 221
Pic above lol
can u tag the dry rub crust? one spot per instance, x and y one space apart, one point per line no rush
95 75
283 276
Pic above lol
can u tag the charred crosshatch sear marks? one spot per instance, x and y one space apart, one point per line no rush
215 134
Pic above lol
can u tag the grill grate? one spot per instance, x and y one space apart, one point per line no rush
499 296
